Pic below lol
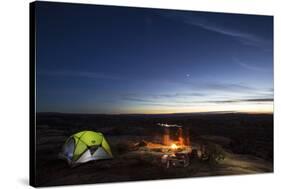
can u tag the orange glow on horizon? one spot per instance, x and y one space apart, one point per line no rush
266 108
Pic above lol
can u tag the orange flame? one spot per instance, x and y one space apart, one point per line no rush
174 146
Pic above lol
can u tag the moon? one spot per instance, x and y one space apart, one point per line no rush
187 75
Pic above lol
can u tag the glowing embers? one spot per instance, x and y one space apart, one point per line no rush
175 135
174 146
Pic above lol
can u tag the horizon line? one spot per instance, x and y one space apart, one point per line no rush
208 112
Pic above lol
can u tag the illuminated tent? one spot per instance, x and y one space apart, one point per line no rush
85 146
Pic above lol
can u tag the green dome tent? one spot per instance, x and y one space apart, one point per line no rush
85 146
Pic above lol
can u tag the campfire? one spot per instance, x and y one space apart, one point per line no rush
174 146
175 138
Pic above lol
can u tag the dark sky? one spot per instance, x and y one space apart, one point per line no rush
103 59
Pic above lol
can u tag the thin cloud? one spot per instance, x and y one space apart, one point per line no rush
246 38
157 97
243 37
227 87
179 95
203 88
257 100
252 67
82 74
136 99
150 102
227 91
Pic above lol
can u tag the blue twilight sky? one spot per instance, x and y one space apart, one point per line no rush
104 59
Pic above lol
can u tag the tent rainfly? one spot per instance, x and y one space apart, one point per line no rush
85 146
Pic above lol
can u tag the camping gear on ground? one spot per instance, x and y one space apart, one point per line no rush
175 160
85 146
